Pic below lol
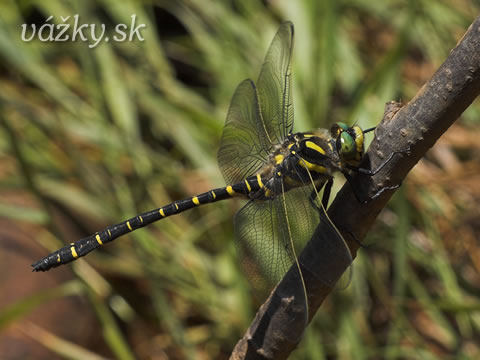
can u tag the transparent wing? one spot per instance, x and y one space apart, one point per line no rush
274 85
270 233
259 117
261 252
332 263
333 258
244 146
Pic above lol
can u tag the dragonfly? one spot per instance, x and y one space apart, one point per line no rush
280 173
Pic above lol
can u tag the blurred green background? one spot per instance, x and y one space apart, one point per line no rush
92 136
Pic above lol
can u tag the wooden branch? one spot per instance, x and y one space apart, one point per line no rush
407 132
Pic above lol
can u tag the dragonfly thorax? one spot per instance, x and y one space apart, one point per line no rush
312 156
326 151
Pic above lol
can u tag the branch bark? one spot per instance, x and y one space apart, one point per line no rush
407 132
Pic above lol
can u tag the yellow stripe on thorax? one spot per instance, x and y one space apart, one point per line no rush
312 167
313 146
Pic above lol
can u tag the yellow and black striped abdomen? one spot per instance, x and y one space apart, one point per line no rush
83 246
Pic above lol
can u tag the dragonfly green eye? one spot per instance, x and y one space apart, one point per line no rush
346 146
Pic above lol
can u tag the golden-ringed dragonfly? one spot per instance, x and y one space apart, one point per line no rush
280 173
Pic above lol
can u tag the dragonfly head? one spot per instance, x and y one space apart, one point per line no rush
349 142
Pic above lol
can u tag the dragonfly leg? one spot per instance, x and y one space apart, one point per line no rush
369 172
372 197
382 189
